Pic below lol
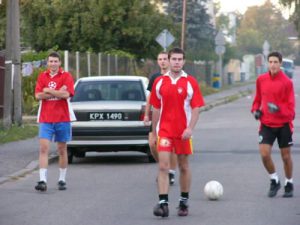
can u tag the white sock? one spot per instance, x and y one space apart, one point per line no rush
274 176
43 174
288 180
62 174
172 171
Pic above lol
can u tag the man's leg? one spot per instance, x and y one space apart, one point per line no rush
62 136
185 183
63 163
173 165
287 162
161 209
265 152
185 173
163 179
288 169
152 146
43 164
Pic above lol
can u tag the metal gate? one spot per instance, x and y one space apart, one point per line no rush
2 74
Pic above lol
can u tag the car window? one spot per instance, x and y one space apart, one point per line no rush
286 64
109 91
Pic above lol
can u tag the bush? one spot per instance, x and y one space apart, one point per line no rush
30 105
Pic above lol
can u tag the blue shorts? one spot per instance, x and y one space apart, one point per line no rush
60 131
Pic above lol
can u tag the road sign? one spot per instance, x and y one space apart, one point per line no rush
165 39
220 39
266 48
220 49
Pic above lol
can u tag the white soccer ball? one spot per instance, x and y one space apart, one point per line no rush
213 190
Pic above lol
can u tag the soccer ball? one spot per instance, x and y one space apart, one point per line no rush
213 190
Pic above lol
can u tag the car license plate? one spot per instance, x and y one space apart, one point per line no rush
106 116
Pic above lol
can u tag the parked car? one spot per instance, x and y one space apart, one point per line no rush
109 112
288 67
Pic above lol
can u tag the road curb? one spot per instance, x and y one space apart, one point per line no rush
32 166
225 100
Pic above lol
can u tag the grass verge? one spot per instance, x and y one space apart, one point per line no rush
16 133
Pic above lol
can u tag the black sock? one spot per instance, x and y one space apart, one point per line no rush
184 196
163 199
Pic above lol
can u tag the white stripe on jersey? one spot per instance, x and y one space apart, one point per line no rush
39 111
187 101
71 112
159 83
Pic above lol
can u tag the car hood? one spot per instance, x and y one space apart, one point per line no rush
107 105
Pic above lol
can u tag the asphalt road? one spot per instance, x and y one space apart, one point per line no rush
113 189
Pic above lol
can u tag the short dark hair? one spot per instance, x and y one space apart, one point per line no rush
163 52
275 54
176 51
55 55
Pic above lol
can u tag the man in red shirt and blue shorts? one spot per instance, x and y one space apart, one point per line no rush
53 89
176 101
274 106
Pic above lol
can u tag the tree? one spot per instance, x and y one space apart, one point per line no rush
261 23
199 30
296 14
95 25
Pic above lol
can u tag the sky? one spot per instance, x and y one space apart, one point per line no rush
241 5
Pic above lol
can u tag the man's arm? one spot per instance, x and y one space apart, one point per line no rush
187 133
61 93
147 111
155 118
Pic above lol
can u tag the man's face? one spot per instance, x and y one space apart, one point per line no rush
274 65
176 62
162 61
53 63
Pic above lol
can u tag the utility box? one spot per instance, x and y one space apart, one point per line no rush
2 75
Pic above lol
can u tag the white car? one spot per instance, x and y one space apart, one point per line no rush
109 112
288 67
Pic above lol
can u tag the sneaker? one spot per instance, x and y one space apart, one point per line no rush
288 190
61 185
161 210
274 187
41 186
171 178
183 208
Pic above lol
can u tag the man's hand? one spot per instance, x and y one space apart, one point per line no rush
257 114
273 108
146 120
63 88
47 90
152 141
187 134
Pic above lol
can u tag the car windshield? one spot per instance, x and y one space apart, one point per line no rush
287 65
109 90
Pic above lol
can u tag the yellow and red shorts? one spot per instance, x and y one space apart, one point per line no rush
176 145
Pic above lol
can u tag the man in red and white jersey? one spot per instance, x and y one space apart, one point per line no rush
274 106
53 89
163 63
176 100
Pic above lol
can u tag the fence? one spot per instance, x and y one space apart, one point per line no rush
92 64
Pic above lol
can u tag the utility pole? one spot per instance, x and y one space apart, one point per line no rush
12 88
183 24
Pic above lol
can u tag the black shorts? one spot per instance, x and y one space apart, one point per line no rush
267 135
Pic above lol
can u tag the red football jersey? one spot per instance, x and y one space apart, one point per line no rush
55 109
176 98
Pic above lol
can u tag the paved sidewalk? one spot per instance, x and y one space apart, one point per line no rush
20 158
